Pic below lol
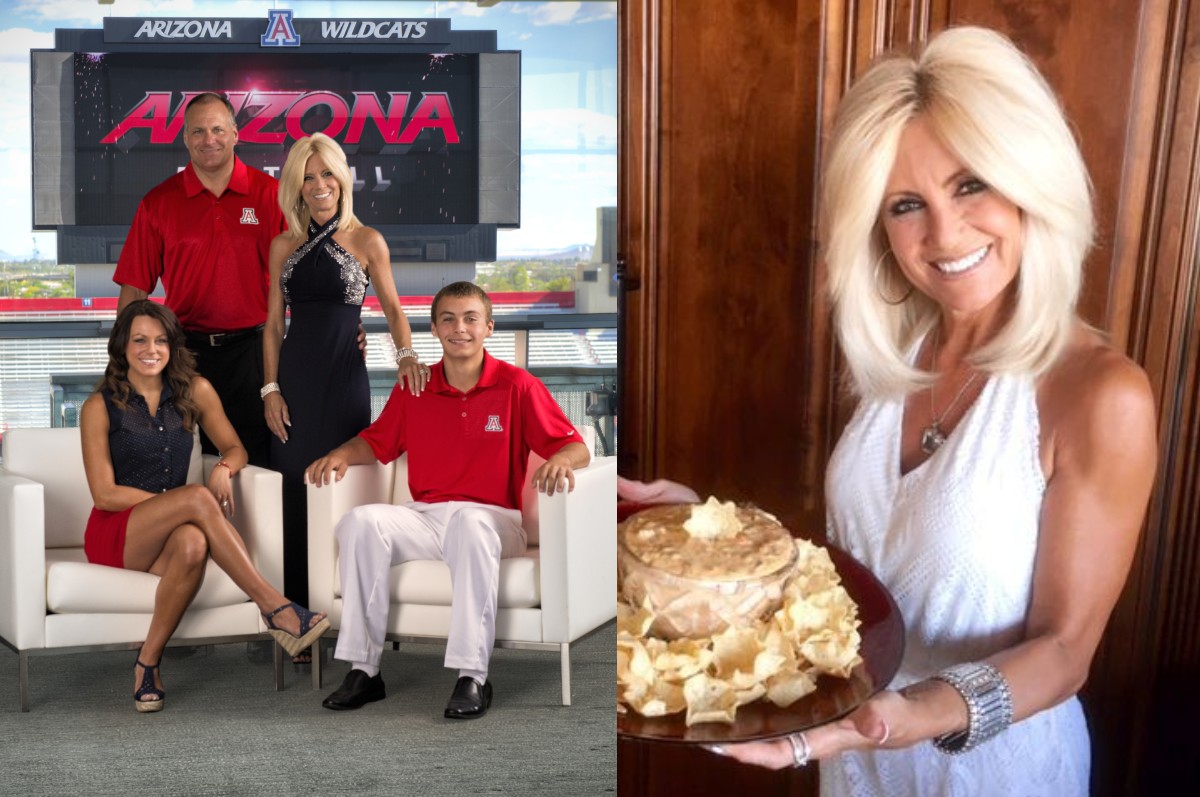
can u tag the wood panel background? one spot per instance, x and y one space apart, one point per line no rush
728 369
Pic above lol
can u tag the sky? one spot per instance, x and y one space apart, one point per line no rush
568 128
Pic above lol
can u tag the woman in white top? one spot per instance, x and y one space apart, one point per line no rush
997 469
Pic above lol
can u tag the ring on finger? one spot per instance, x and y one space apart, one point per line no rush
800 749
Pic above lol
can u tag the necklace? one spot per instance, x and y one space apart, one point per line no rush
932 436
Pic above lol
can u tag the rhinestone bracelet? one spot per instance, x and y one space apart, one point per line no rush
407 351
989 705
268 389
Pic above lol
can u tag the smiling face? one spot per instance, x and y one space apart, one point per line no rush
149 349
462 325
956 239
210 136
320 189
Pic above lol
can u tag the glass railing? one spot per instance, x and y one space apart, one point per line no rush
48 369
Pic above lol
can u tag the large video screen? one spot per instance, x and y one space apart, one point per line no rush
407 121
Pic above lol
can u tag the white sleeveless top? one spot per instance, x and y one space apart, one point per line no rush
954 540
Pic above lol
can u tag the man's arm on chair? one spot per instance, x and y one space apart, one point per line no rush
558 472
354 451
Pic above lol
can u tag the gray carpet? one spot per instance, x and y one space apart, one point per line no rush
226 731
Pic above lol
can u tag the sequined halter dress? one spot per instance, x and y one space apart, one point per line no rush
322 376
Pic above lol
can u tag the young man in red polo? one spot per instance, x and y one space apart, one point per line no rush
468 436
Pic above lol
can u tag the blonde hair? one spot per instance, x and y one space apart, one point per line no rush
291 179
992 108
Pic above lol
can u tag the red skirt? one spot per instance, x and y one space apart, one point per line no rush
104 539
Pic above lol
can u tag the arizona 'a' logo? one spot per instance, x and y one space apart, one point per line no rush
493 424
280 32
248 216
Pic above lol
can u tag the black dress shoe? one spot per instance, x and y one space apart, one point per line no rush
470 700
356 691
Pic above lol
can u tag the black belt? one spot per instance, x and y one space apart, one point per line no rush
218 339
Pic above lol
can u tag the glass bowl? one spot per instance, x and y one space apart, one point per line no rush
700 587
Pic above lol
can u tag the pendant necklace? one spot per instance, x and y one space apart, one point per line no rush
932 436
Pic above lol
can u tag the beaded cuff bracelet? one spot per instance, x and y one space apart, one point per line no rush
407 351
989 705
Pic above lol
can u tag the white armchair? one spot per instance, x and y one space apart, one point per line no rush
561 589
53 601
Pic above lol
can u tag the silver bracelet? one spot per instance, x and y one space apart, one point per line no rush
989 705
268 389
407 351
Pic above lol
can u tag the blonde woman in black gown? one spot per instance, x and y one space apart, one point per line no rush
317 393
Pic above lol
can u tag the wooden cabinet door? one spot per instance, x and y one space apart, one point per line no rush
728 368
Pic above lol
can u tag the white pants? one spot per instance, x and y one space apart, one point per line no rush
471 538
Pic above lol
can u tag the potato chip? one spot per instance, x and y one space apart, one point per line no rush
709 700
802 617
786 688
690 647
640 665
768 664
654 708
832 653
723 715
754 692
734 650
778 658
635 622
670 694
683 659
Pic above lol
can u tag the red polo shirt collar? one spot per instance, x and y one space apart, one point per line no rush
239 181
438 383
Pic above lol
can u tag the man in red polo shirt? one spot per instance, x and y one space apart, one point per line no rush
206 233
468 436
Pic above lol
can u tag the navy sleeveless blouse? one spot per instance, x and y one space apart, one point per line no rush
149 453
